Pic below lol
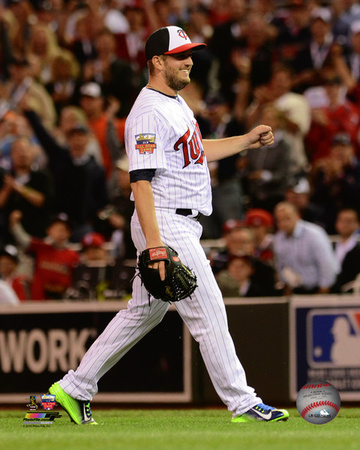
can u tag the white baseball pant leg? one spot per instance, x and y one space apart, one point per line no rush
204 314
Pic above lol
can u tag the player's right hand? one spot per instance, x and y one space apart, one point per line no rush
259 136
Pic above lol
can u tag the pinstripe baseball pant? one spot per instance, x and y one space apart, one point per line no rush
204 315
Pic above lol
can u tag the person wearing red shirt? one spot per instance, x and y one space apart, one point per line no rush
54 260
339 116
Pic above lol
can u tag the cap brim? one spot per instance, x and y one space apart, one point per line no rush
185 48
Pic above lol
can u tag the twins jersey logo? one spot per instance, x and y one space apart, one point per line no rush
145 143
191 147
333 338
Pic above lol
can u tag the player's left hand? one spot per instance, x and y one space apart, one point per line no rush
259 136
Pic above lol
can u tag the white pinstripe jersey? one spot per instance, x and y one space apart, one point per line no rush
162 133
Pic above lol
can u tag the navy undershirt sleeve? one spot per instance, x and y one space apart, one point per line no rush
142 174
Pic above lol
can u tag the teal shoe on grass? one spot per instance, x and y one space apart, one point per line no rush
79 411
262 413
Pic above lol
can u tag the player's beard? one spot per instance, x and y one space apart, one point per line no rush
174 82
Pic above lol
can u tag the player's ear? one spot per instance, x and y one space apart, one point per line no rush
158 61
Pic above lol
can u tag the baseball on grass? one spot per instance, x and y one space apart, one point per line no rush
318 402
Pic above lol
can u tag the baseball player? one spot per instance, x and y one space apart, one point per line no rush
171 188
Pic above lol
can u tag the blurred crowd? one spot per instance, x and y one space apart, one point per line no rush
69 73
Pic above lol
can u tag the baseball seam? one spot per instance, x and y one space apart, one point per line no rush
317 405
316 386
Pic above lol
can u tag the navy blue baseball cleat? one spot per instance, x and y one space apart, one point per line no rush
263 413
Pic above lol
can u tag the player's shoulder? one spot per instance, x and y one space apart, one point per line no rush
148 100
144 105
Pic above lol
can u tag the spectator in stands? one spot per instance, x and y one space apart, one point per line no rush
54 260
299 194
115 19
261 223
219 12
228 36
17 17
71 116
200 29
98 276
336 180
304 259
130 44
235 242
247 56
292 23
266 179
42 43
240 241
311 60
26 189
19 84
108 130
293 107
7 294
347 63
80 181
8 132
107 69
347 249
339 116
46 13
345 13
13 125
93 249
115 217
6 35
257 47
63 81
9 264
236 279
81 44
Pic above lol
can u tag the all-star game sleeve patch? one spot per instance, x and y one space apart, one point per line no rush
145 143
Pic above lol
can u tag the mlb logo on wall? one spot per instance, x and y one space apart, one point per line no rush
48 401
325 344
334 338
145 143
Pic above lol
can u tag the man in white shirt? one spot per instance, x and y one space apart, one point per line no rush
304 258
347 248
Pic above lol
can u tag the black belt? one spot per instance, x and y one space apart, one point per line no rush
188 213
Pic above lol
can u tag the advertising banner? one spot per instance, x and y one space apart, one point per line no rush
40 342
325 343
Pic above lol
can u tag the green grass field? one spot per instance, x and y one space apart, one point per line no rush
190 429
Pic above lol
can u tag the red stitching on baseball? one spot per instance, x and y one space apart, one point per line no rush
316 386
317 405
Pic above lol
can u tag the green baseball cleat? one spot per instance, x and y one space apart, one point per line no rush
78 410
263 413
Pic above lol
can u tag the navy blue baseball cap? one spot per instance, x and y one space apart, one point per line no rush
169 41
